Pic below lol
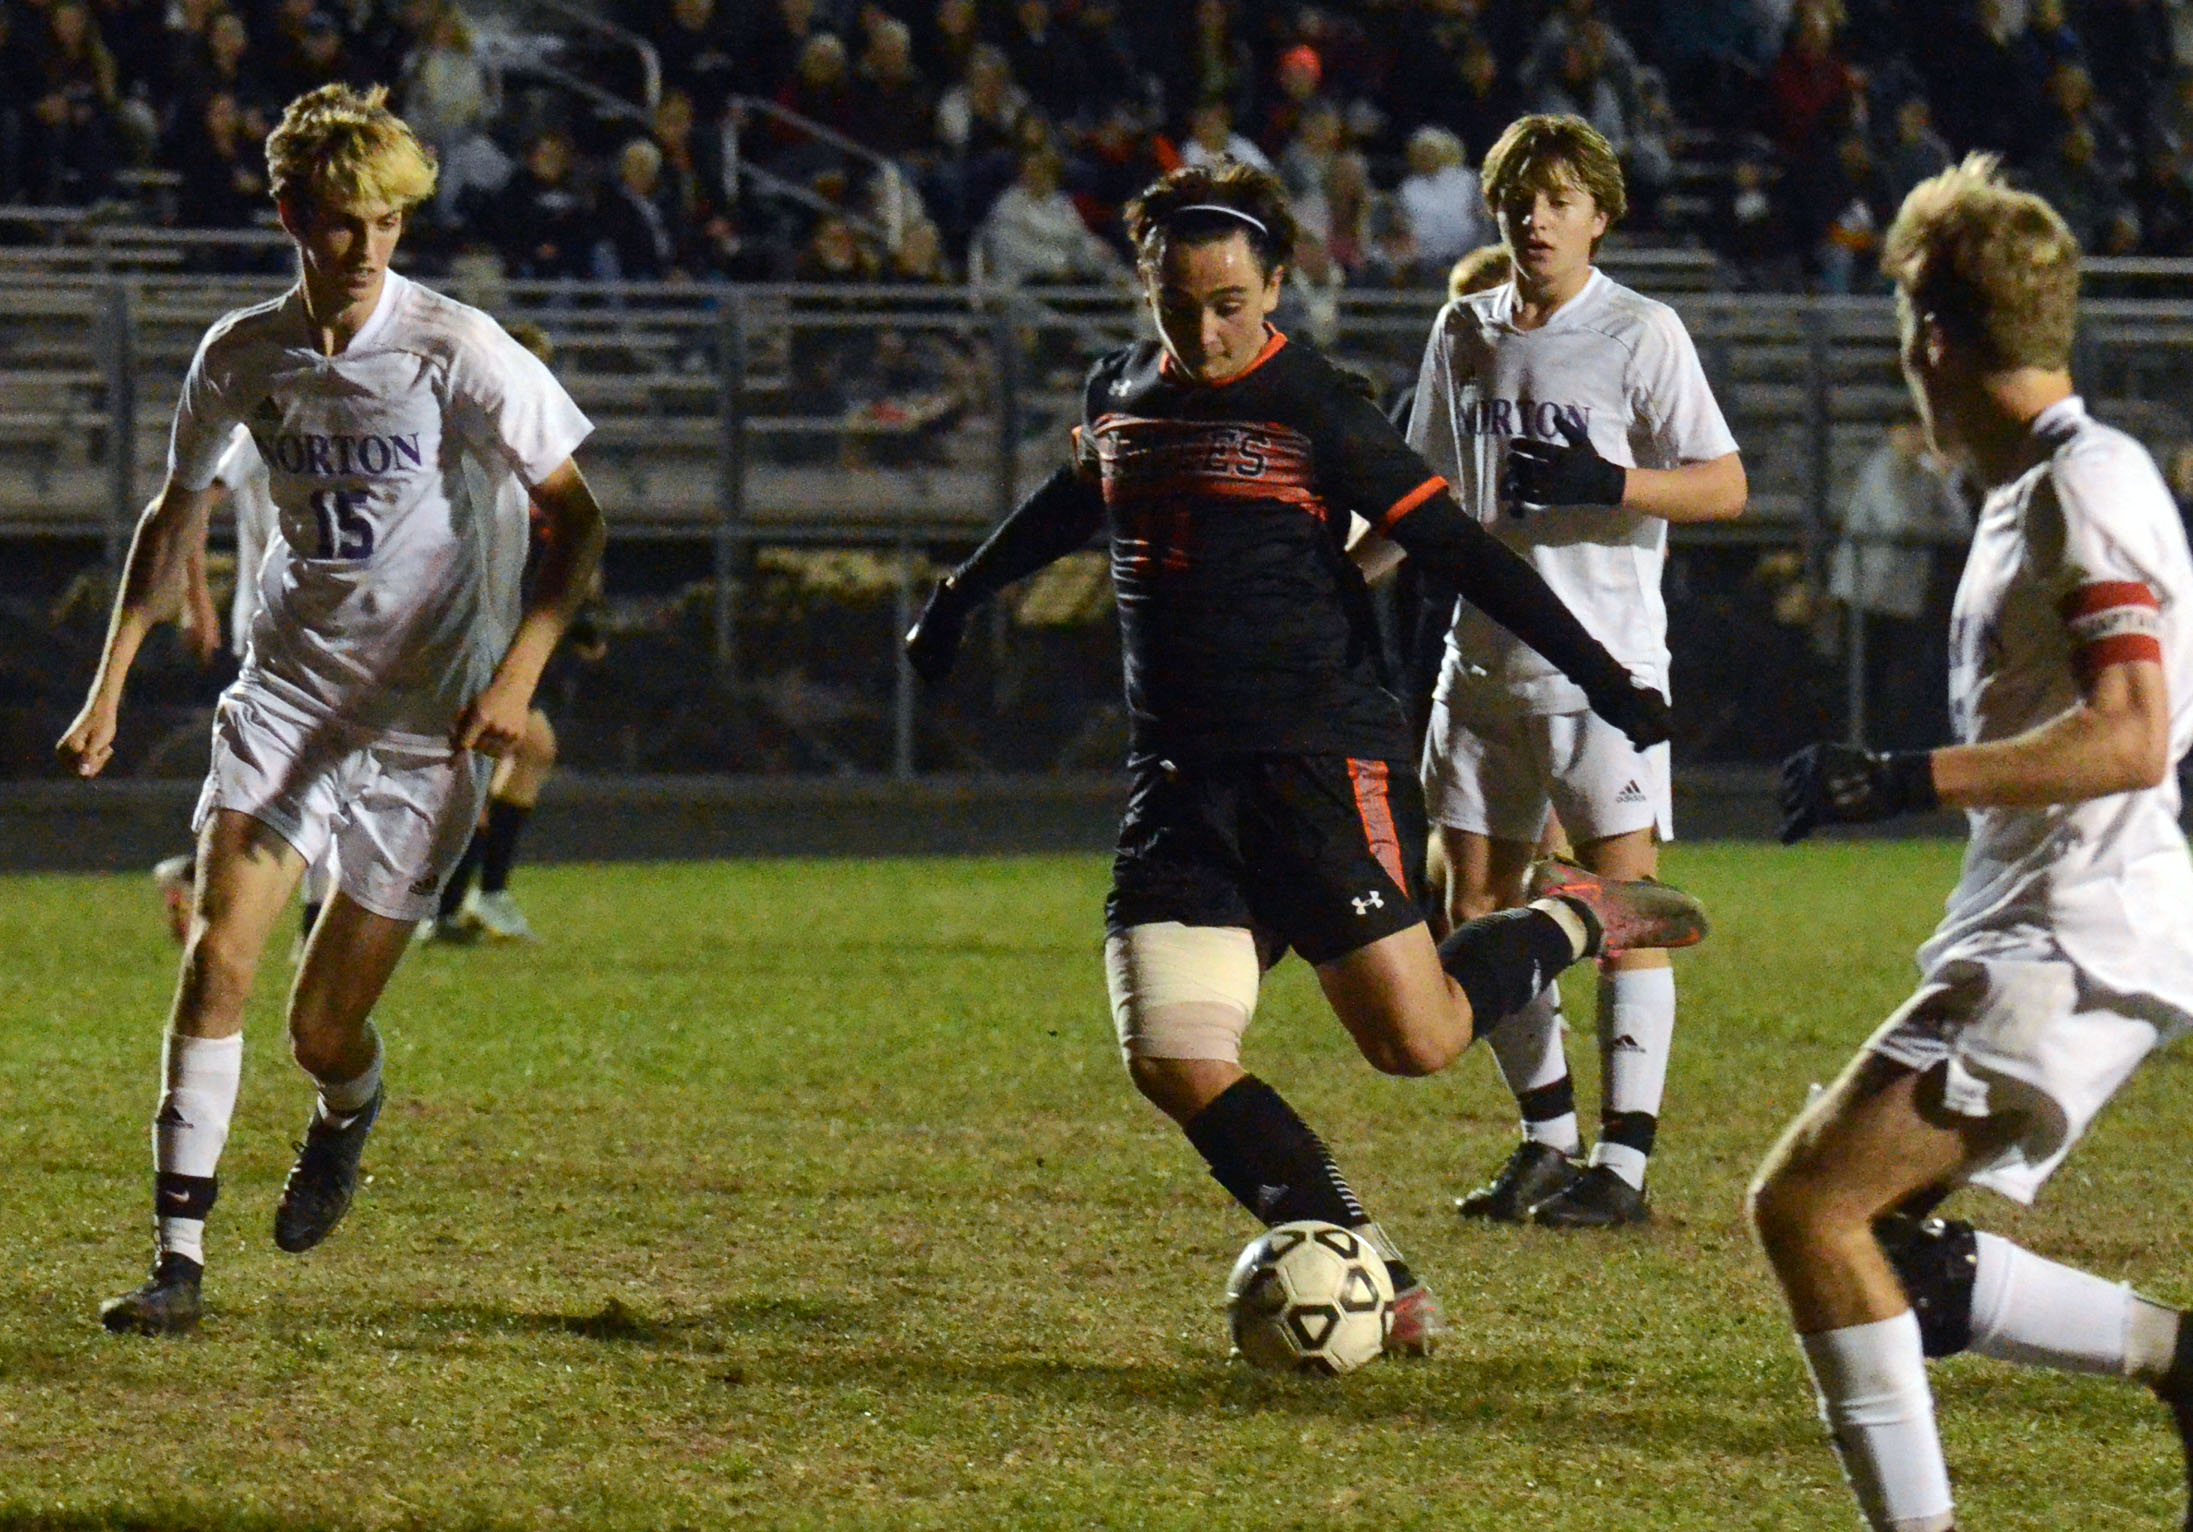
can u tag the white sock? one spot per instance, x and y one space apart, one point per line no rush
1636 1030
341 1098
2035 1312
1528 1048
197 1101
1873 1395
1563 914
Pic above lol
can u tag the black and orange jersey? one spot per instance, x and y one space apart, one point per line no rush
1245 626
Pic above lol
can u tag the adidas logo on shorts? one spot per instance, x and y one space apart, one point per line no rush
1630 793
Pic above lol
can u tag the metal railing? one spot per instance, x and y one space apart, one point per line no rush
731 421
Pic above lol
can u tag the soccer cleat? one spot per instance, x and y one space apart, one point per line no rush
499 916
1633 914
168 1303
324 1179
1418 1322
1599 1199
1532 1174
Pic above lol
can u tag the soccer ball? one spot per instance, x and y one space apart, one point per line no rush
1309 1297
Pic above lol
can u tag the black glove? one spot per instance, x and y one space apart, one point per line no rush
1829 784
932 643
1540 474
1638 711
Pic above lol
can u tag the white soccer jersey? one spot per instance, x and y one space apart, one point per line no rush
1620 366
390 597
258 529
2079 563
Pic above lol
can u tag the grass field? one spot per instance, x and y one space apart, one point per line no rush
811 1194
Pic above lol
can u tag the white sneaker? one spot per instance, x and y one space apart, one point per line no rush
500 917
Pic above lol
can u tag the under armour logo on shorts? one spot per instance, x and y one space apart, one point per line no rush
1365 903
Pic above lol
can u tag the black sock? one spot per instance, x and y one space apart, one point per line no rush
312 918
1632 1130
1548 1103
499 843
460 881
1502 961
1269 1159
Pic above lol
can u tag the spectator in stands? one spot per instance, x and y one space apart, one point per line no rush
69 132
894 110
1211 138
700 58
1297 95
946 45
538 222
2071 103
1390 256
1915 152
2129 44
978 128
1047 60
1972 78
2165 198
1811 88
1753 238
1582 84
1552 52
1348 201
1209 61
1482 100
820 90
1307 159
1648 160
638 240
230 65
1856 202
1445 206
919 259
446 94
296 54
1896 562
1034 234
1111 73
222 165
2045 41
1119 158
2078 185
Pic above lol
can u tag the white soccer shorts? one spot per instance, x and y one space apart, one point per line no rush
397 811
2024 1036
1495 771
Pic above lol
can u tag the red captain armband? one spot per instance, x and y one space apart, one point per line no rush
2112 622
1410 502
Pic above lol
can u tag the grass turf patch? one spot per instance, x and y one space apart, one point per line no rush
812 1195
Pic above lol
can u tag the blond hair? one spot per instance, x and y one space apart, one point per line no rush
345 148
1547 151
1485 267
1996 267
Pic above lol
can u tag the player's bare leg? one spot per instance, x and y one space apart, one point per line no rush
1485 874
246 874
1874 1286
1635 1020
347 964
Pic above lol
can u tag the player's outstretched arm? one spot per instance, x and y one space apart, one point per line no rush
494 722
1052 522
1495 579
152 588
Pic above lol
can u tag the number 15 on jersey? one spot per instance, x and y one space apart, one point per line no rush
345 531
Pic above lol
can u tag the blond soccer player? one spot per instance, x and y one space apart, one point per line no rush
1575 423
2062 961
391 653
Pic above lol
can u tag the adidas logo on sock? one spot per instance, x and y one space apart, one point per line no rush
1624 1043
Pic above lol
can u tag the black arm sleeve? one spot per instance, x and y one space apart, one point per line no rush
1051 523
1496 580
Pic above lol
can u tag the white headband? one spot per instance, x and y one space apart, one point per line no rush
1231 212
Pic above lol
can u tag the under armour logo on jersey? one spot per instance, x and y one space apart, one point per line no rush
1630 793
1121 387
1365 903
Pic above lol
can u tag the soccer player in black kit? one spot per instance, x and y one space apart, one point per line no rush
1274 799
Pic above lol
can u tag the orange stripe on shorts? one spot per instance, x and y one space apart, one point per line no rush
1376 812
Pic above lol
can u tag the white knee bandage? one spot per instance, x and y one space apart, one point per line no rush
1181 992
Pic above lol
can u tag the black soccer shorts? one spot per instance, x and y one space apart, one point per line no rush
1325 851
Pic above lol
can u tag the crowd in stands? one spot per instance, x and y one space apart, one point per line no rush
1781 133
